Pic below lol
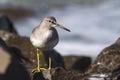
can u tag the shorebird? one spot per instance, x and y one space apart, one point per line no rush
45 37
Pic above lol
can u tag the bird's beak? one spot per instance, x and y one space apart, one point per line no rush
60 26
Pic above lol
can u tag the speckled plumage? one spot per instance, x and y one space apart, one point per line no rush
107 61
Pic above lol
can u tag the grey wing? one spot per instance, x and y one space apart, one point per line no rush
53 39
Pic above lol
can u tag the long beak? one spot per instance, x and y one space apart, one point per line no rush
60 26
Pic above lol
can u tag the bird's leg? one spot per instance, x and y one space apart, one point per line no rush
38 60
38 69
50 61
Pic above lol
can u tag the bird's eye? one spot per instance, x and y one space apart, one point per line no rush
50 21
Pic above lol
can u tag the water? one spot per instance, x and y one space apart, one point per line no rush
93 27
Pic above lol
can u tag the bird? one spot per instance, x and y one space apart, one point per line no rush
107 62
45 37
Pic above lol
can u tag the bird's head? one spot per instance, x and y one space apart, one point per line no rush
51 21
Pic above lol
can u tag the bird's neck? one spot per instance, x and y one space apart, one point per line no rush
44 25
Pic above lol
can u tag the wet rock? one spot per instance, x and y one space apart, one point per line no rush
10 67
6 24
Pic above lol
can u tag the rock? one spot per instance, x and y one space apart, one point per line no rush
82 64
10 66
58 73
78 63
47 74
23 44
107 63
6 24
17 52
115 75
57 59
29 52
26 54
38 76
62 74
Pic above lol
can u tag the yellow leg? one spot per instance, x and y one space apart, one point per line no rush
38 60
49 68
38 69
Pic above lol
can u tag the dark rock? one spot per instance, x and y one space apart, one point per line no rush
29 52
82 64
115 75
18 54
38 76
57 60
107 62
6 24
42 75
10 67
62 74
58 73
21 43
25 52
78 63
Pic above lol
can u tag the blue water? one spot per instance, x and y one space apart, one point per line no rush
92 27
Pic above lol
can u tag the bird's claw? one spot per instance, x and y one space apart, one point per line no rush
38 70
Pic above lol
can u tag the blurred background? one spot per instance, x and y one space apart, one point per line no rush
94 24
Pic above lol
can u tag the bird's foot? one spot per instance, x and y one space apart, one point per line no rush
49 68
38 69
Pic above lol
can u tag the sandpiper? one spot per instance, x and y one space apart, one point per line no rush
45 37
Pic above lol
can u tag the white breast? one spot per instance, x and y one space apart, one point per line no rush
40 40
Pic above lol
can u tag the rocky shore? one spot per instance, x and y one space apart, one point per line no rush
25 52
70 67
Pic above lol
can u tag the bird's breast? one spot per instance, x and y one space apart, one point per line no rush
45 39
39 40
